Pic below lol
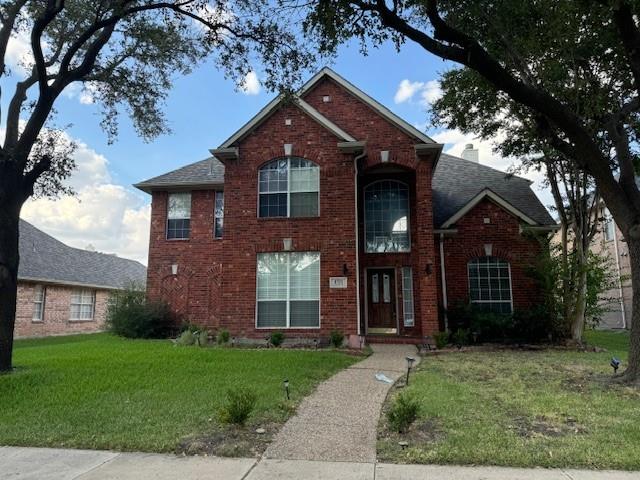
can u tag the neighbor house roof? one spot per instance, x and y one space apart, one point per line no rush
45 259
458 183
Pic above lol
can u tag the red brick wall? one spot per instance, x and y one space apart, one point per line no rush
56 312
194 293
503 233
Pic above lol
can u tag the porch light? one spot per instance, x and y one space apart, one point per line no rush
345 269
410 361
286 388
615 363
428 269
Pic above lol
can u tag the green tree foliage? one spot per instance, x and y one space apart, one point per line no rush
126 55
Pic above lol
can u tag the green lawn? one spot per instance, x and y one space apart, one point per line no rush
544 408
101 391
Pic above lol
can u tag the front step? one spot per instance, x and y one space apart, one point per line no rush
402 340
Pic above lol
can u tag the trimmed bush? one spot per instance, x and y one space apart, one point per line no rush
276 339
336 338
403 412
238 406
130 315
223 337
441 339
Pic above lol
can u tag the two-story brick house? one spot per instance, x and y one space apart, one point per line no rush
328 211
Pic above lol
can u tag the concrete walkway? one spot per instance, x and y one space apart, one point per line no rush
18 463
338 422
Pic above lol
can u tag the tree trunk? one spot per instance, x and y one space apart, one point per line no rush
632 373
578 312
10 205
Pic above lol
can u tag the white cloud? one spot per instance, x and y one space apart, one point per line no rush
18 55
406 90
112 218
428 92
455 142
250 84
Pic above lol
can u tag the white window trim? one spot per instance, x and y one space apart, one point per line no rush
288 296
406 288
491 301
93 306
288 191
166 226
364 192
41 303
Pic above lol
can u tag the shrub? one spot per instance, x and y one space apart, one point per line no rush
336 338
403 412
276 339
491 326
189 326
223 337
186 338
238 405
461 337
203 337
441 339
130 315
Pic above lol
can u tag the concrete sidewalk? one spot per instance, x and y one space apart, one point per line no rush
17 463
339 421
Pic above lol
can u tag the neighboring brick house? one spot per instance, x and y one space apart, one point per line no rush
64 290
330 212
610 241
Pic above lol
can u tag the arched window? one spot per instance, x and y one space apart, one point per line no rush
386 207
289 187
490 284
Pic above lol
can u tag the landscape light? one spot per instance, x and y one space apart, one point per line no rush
410 361
615 363
286 388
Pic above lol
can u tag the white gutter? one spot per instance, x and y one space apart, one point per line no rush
620 295
355 183
445 302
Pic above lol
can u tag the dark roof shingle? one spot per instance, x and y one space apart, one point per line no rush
209 171
457 181
44 258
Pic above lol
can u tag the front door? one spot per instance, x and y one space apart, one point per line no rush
381 300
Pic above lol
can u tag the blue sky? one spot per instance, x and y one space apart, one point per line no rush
203 109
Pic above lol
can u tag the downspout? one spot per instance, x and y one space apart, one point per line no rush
620 294
355 183
443 276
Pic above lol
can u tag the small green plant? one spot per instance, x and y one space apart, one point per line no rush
223 337
441 339
461 337
336 338
403 412
238 406
186 338
203 338
276 339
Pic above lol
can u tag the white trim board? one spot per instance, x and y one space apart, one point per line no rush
268 109
501 202
271 107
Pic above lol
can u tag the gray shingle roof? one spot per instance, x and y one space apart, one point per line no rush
44 258
457 181
209 171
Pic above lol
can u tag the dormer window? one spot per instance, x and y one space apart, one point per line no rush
289 187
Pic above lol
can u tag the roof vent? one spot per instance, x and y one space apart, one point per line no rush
326 98
470 153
